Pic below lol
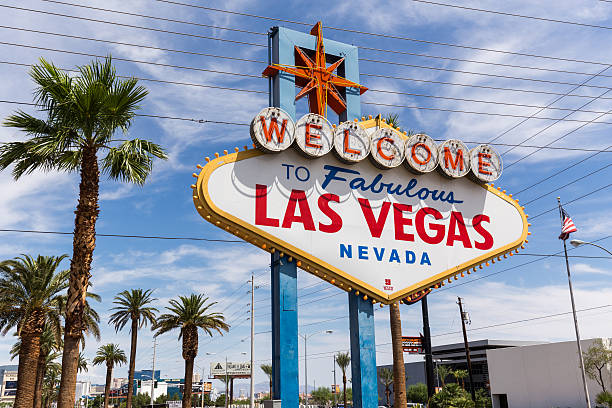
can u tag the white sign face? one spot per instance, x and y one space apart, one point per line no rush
314 135
454 158
233 369
387 147
386 233
351 142
421 153
272 130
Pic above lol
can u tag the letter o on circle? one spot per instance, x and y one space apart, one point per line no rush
421 154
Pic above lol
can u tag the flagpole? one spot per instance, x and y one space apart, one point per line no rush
569 281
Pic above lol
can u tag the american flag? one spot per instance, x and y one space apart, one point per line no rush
568 225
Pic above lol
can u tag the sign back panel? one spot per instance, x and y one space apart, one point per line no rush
384 233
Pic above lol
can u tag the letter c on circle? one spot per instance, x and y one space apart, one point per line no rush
379 147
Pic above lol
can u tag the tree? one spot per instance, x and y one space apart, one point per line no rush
343 360
460 375
385 376
84 112
596 358
220 401
443 372
399 374
82 364
322 396
188 314
604 398
417 393
111 355
267 369
51 381
133 306
30 293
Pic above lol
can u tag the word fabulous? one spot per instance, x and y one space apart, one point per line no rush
273 130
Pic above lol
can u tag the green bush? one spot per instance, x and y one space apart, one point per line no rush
452 396
604 398
482 399
417 393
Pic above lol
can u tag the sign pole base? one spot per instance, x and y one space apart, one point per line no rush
363 352
285 376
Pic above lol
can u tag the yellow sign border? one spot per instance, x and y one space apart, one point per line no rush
250 233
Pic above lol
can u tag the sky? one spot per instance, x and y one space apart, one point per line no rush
526 287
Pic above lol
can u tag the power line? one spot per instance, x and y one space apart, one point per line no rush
571 201
502 13
126 236
390 36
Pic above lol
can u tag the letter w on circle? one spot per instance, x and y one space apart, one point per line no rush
273 128
375 225
449 158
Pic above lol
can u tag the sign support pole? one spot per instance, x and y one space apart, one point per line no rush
429 368
285 375
363 352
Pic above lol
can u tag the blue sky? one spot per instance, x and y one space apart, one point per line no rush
220 270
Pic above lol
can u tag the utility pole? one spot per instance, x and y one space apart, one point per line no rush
335 389
305 372
226 384
202 396
252 402
467 347
153 370
571 290
429 368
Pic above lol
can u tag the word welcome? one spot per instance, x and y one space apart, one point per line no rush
273 130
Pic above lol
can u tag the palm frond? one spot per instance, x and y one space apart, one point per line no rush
132 161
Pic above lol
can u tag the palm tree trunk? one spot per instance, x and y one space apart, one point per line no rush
344 387
271 388
399 375
387 392
132 367
26 372
188 382
83 244
231 401
40 377
109 378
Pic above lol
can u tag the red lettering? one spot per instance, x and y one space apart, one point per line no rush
400 222
261 207
439 229
305 217
449 158
273 128
336 220
347 149
375 226
379 147
310 136
457 222
416 158
488 239
482 164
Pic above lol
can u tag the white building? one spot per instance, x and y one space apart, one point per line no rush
118 383
8 376
543 375
160 388
82 390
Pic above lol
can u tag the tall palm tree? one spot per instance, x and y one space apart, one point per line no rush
83 114
30 293
386 378
399 374
443 372
189 313
111 355
133 306
267 369
343 360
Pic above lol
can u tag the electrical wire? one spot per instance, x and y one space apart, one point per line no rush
571 201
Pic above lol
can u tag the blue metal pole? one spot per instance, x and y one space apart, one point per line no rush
285 377
363 352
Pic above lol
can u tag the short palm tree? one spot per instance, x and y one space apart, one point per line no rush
386 378
443 372
83 114
30 294
50 384
133 306
343 360
267 369
460 375
189 313
111 355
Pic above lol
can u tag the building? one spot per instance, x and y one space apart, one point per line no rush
146 374
117 383
82 390
543 375
8 375
159 388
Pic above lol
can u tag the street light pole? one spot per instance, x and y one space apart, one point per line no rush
252 402
305 337
335 389
577 242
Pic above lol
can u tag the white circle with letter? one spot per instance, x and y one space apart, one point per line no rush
387 147
421 153
454 158
351 142
314 135
272 130
486 163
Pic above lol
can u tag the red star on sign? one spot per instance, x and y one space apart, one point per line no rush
316 79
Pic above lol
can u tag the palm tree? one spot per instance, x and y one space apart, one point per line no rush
109 354
83 112
386 378
188 314
343 360
443 372
460 375
267 368
30 293
399 374
132 306
50 383
82 365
